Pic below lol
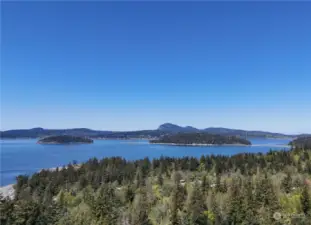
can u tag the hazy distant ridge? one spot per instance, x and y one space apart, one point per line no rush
166 128
169 127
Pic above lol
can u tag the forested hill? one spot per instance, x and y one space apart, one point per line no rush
169 127
302 142
259 189
40 132
200 138
166 128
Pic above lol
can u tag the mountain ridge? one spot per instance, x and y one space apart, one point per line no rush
163 129
224 131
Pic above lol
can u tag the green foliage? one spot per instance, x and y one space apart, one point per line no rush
160 179
200 138
290 203
140 208
302 142
243 189
287 183
196 206
6 209
305 201
64 139
25 212
106 207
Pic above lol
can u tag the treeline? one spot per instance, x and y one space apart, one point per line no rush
200 138
258 189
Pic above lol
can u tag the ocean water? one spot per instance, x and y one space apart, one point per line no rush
24 156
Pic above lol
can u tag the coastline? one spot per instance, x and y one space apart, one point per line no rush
8 191
135 138
58 143
212 145
198 144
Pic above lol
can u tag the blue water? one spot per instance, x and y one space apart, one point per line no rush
26 157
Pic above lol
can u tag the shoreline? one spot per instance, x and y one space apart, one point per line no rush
197 144
220 145
57 143
135 138
8 191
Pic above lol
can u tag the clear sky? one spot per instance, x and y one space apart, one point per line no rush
131 66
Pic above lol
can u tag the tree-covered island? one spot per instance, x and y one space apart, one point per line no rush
65 139
200 139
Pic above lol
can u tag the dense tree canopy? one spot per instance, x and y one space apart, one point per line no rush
200 138
258 189
302 142
64 139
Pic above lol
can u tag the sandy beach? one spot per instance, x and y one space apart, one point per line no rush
7 191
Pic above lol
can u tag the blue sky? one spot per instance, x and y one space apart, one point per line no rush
131 66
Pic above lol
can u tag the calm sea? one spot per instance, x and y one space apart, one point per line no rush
26 157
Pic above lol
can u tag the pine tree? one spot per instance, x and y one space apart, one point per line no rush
224 187
214 208
160 179
204 185
83 182
196 206
177 198
218 183
174 208
236 209
161 168
271 200
51 214
305 200
129 194
48 195
61 200
106 206
299 166
25 212
249 204
308 167
140 208
176 177
6 209
267 199
287 183
139 179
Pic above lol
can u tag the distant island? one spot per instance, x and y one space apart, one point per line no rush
65 139
301 142
200 139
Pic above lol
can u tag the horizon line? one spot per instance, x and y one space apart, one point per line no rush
133 130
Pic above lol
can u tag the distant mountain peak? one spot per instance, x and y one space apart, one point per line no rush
190 127
37 128
176 128
169 126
